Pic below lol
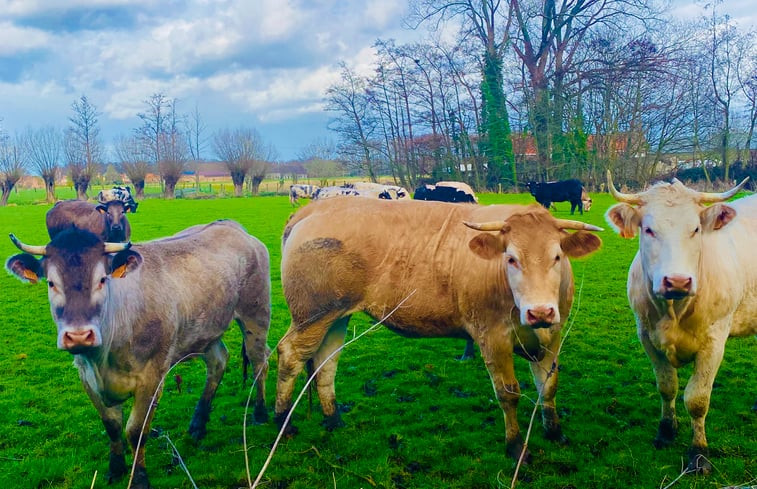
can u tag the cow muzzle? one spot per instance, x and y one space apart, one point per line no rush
676 286
78 340
540 316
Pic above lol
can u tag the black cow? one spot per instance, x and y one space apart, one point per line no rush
565 190
442 194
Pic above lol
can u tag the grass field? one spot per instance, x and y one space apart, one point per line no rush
417 417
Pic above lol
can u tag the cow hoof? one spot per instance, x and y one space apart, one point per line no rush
140 480
289 429
556 435
332 422
116 468
260 414
666 433
698 462
514 448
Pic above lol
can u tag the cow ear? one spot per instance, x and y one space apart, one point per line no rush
488 246
124 262
25 267
580 243
624 219
101 208
716 216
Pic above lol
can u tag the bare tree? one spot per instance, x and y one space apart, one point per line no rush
134 161
173 152
195 130
721 56
354 122
82 145
320 148
261 166
44 149
12 165
238 149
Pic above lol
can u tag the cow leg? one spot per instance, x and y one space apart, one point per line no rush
141 415
297 346
497 353
667 385
469 351
112 418
215 356
327 358
255 333
545 376
697 400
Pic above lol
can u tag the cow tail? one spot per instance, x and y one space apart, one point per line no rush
245 364
310 369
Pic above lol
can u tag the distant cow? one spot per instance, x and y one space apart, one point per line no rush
380 190
498 274
301 191
120 193
108 221
460 186
129 313
383 193
692 285
566 190
443 193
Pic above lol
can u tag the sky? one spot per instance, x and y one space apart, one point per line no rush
264 64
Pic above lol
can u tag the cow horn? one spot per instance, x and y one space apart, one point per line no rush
34 250
486 226
578 225
722 196
116 247
619 196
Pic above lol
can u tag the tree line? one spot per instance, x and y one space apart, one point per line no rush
166 143
542 90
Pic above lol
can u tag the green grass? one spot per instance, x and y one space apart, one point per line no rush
418 418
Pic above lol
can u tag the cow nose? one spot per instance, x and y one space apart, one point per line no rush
540 315
676 285
78 339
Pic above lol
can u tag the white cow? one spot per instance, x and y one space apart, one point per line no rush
692 285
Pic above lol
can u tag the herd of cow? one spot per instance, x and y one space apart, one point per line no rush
497 275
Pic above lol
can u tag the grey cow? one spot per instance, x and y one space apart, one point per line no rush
129 313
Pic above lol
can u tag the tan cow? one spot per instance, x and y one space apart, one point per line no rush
692 284
498 274
459 186
129 313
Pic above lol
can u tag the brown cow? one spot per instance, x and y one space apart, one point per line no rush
510 288
129 317
108 220
692 285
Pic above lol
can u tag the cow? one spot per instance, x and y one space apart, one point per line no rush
129 313
118 193
301 191
460 186
379 190
108 220
498 274
691 286
586 200
443 193
565 190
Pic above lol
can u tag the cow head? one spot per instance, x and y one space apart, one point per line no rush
534 248
671 221
78 266
115 220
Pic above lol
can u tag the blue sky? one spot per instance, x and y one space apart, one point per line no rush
259 63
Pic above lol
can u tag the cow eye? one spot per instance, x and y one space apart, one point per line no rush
102 282
51 284
695 231
512 261
648 231
557 258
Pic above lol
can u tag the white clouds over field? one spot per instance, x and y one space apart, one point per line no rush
262 63
256 62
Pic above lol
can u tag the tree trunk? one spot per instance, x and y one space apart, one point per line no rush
50 190
6 193
170 187
237 178
139 188
256 180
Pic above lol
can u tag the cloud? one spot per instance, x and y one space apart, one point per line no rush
15 40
